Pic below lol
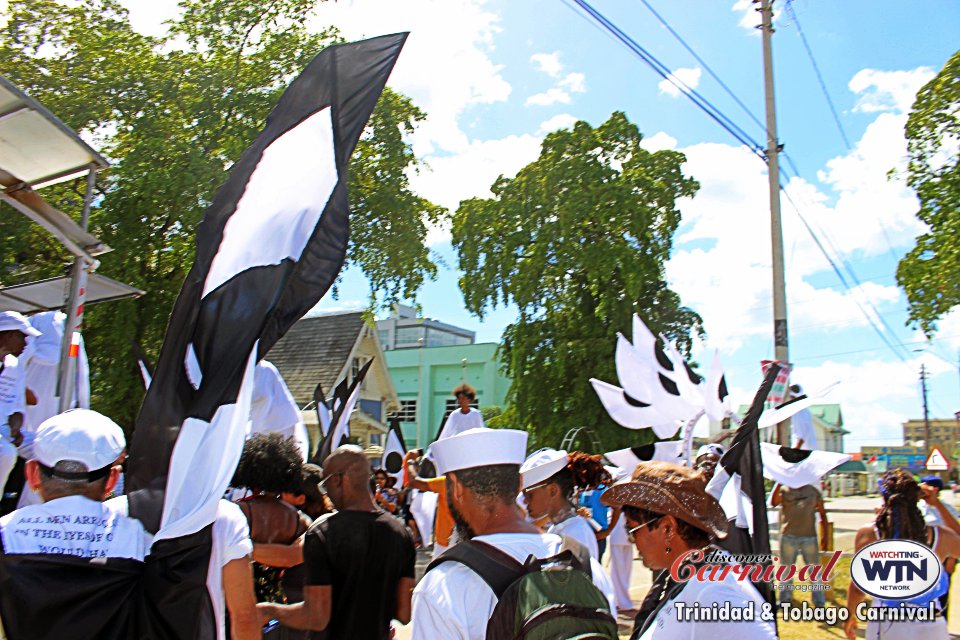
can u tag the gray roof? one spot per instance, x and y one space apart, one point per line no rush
315 350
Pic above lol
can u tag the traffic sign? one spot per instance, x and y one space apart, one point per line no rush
937 461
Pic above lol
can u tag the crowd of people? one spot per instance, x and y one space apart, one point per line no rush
518 540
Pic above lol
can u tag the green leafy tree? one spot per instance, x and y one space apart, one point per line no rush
577 240
173 114
930 272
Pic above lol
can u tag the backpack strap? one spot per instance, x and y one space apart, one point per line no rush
497 568
580 553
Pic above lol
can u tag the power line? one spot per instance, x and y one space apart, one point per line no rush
816 70
703 63
741 136
664 72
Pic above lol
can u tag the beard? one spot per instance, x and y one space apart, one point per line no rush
460 526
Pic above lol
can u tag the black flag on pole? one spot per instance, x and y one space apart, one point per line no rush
739 477
268 248
344 400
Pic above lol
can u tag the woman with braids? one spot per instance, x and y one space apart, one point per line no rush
900 519
551 480
270 466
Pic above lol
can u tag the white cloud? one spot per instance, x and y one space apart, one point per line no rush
148 17
550 96
888 90
574 82
548 63
659 141
559 121
876 396
470 173
689 76
445 66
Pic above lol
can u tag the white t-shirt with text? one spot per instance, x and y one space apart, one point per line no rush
76 526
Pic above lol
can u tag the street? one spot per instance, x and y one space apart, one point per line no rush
847 514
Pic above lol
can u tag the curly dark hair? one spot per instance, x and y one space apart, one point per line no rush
583 471
900 517
269 463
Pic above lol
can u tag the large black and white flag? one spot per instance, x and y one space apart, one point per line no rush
268 248
738 479
393 452
344 400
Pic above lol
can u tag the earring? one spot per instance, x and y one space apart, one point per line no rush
668 550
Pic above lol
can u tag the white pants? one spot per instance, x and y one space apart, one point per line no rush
621 566
8 458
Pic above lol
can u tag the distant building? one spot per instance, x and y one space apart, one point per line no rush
326 349
404 330
827 422
944 434
425 377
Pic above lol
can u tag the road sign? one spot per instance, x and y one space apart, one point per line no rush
937 461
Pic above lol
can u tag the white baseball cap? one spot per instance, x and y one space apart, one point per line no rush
542 465
78 435
13 321
479 447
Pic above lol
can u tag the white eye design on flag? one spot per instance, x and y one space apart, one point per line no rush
293 181
659 389
798 467
631 413
628 459
393 453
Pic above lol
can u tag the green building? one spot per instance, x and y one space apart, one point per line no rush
424 377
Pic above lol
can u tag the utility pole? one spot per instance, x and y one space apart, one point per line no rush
782 352
926 413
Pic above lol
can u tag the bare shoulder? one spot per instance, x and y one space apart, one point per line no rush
865 535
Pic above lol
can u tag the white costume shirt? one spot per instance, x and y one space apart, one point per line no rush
230 540
932 517
273 408
802 429
454 603
739 593
581 531
41 362
12 391
76 526
458 422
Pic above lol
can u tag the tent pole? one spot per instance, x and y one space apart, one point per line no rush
70 347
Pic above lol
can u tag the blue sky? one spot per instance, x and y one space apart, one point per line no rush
495 76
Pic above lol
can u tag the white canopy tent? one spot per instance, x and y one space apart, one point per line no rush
36 150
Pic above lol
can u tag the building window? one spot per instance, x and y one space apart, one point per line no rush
408 411
376 439
384 336
452 406
355 365
408 336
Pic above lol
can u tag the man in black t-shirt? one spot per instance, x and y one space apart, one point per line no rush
359 561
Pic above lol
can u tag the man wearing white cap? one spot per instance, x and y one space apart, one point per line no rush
15 330
74 467
482 469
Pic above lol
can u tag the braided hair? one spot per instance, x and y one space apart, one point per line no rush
583 471
900 517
